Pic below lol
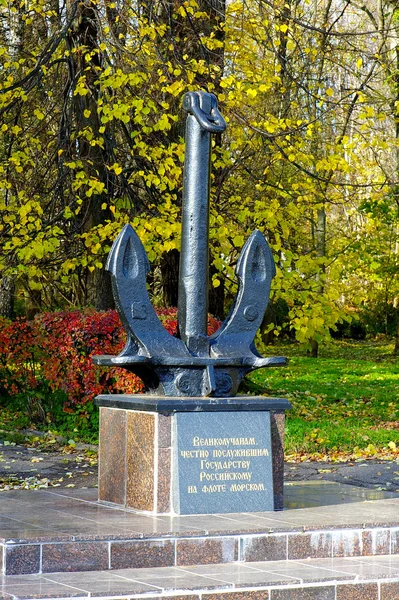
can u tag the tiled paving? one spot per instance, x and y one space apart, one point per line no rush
375 578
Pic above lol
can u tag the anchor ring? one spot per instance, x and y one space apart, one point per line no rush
212 122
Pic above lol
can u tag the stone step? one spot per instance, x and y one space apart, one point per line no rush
365 578
49 531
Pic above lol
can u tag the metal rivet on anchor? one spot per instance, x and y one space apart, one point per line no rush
224 383
250 312
183 383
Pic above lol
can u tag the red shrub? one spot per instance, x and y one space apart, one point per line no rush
59 346
69 340
19 355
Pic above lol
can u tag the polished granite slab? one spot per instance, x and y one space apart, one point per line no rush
138 455
207 478
368 578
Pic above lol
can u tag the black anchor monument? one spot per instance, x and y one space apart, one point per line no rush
190 445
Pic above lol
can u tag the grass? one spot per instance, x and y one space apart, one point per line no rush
344 403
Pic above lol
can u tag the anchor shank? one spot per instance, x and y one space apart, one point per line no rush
194 261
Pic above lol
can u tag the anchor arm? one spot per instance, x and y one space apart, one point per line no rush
255 270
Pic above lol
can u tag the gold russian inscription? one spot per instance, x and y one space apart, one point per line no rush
226 464
247 487
245 476
194 453
211 489
214 472
235 441
243 453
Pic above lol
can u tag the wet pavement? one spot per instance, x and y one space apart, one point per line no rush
34 467
372 474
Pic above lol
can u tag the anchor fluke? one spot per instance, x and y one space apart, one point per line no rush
129 266
255 270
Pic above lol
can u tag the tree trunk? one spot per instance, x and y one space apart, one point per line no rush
87 59
314 349
320 243
99 290
35 304
169 266
396 83
216 296
396 347
268 318
7 291
183 43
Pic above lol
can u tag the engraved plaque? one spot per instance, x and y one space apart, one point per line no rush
222 462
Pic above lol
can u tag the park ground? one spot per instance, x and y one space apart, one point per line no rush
345 404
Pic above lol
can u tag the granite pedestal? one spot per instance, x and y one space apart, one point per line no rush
172 455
